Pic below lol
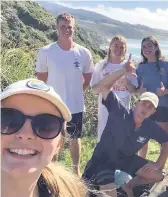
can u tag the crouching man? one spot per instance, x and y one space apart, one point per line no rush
126 132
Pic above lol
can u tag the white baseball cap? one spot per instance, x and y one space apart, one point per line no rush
38 88
149 96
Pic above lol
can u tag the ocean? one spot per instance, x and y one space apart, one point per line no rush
134 47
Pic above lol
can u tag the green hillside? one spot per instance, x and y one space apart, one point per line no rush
26 23
26 26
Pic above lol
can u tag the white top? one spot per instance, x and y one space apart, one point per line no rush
118 88
65 72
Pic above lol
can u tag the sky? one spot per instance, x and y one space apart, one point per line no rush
151 13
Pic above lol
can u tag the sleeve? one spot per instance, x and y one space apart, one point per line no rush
112 103
139 81
88 67
41 62
158 134
96 76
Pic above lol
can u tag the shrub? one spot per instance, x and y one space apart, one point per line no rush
16 64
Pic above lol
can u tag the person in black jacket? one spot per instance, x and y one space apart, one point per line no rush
126 132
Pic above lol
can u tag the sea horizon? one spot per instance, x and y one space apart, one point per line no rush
134 47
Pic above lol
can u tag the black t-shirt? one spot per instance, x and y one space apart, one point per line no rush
120 136
120 129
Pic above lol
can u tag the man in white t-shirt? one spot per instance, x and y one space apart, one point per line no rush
67 67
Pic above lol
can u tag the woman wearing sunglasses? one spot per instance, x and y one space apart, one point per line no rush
32 121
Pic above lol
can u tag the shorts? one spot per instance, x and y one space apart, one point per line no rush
96 173
161 114
74 127
132 164
103 173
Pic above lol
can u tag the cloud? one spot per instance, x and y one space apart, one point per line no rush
155 19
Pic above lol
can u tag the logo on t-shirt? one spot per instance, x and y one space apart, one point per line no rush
141 139
76 63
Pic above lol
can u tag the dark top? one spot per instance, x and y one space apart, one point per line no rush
120 133
121 137
43 189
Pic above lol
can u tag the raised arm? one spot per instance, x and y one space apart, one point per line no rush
106 84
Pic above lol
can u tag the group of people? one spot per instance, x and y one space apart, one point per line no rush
54 103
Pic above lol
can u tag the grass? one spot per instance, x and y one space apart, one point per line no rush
88 144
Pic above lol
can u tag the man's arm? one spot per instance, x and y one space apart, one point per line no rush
161 136
86 80
131 88
87 70
106 84
42 76
163 156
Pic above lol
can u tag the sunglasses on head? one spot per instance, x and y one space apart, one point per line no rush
45 126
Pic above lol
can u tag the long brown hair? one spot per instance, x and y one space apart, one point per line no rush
61 181
116 38
158 52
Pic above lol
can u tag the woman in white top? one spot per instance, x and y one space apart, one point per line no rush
115 60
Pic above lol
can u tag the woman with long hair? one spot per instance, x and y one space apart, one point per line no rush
33 118
152 74
115 60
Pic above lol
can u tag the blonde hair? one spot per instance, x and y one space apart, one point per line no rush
62 183
65 16
59 180
116 38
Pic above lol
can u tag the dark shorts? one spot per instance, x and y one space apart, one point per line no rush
97 173
74 127
132 164
161 114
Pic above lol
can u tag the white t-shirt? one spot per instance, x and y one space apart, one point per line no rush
118 88
65 72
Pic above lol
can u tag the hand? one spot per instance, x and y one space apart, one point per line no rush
142 89
161 91
129 66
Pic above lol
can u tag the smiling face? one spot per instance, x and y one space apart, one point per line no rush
148 49
66 29
23 152
118 48
144 109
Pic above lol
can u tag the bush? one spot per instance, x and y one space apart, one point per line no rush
16 64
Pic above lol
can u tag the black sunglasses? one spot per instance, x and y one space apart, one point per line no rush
45 126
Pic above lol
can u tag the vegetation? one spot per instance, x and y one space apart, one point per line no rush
25 28
88 144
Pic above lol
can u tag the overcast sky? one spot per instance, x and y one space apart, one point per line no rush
151 13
